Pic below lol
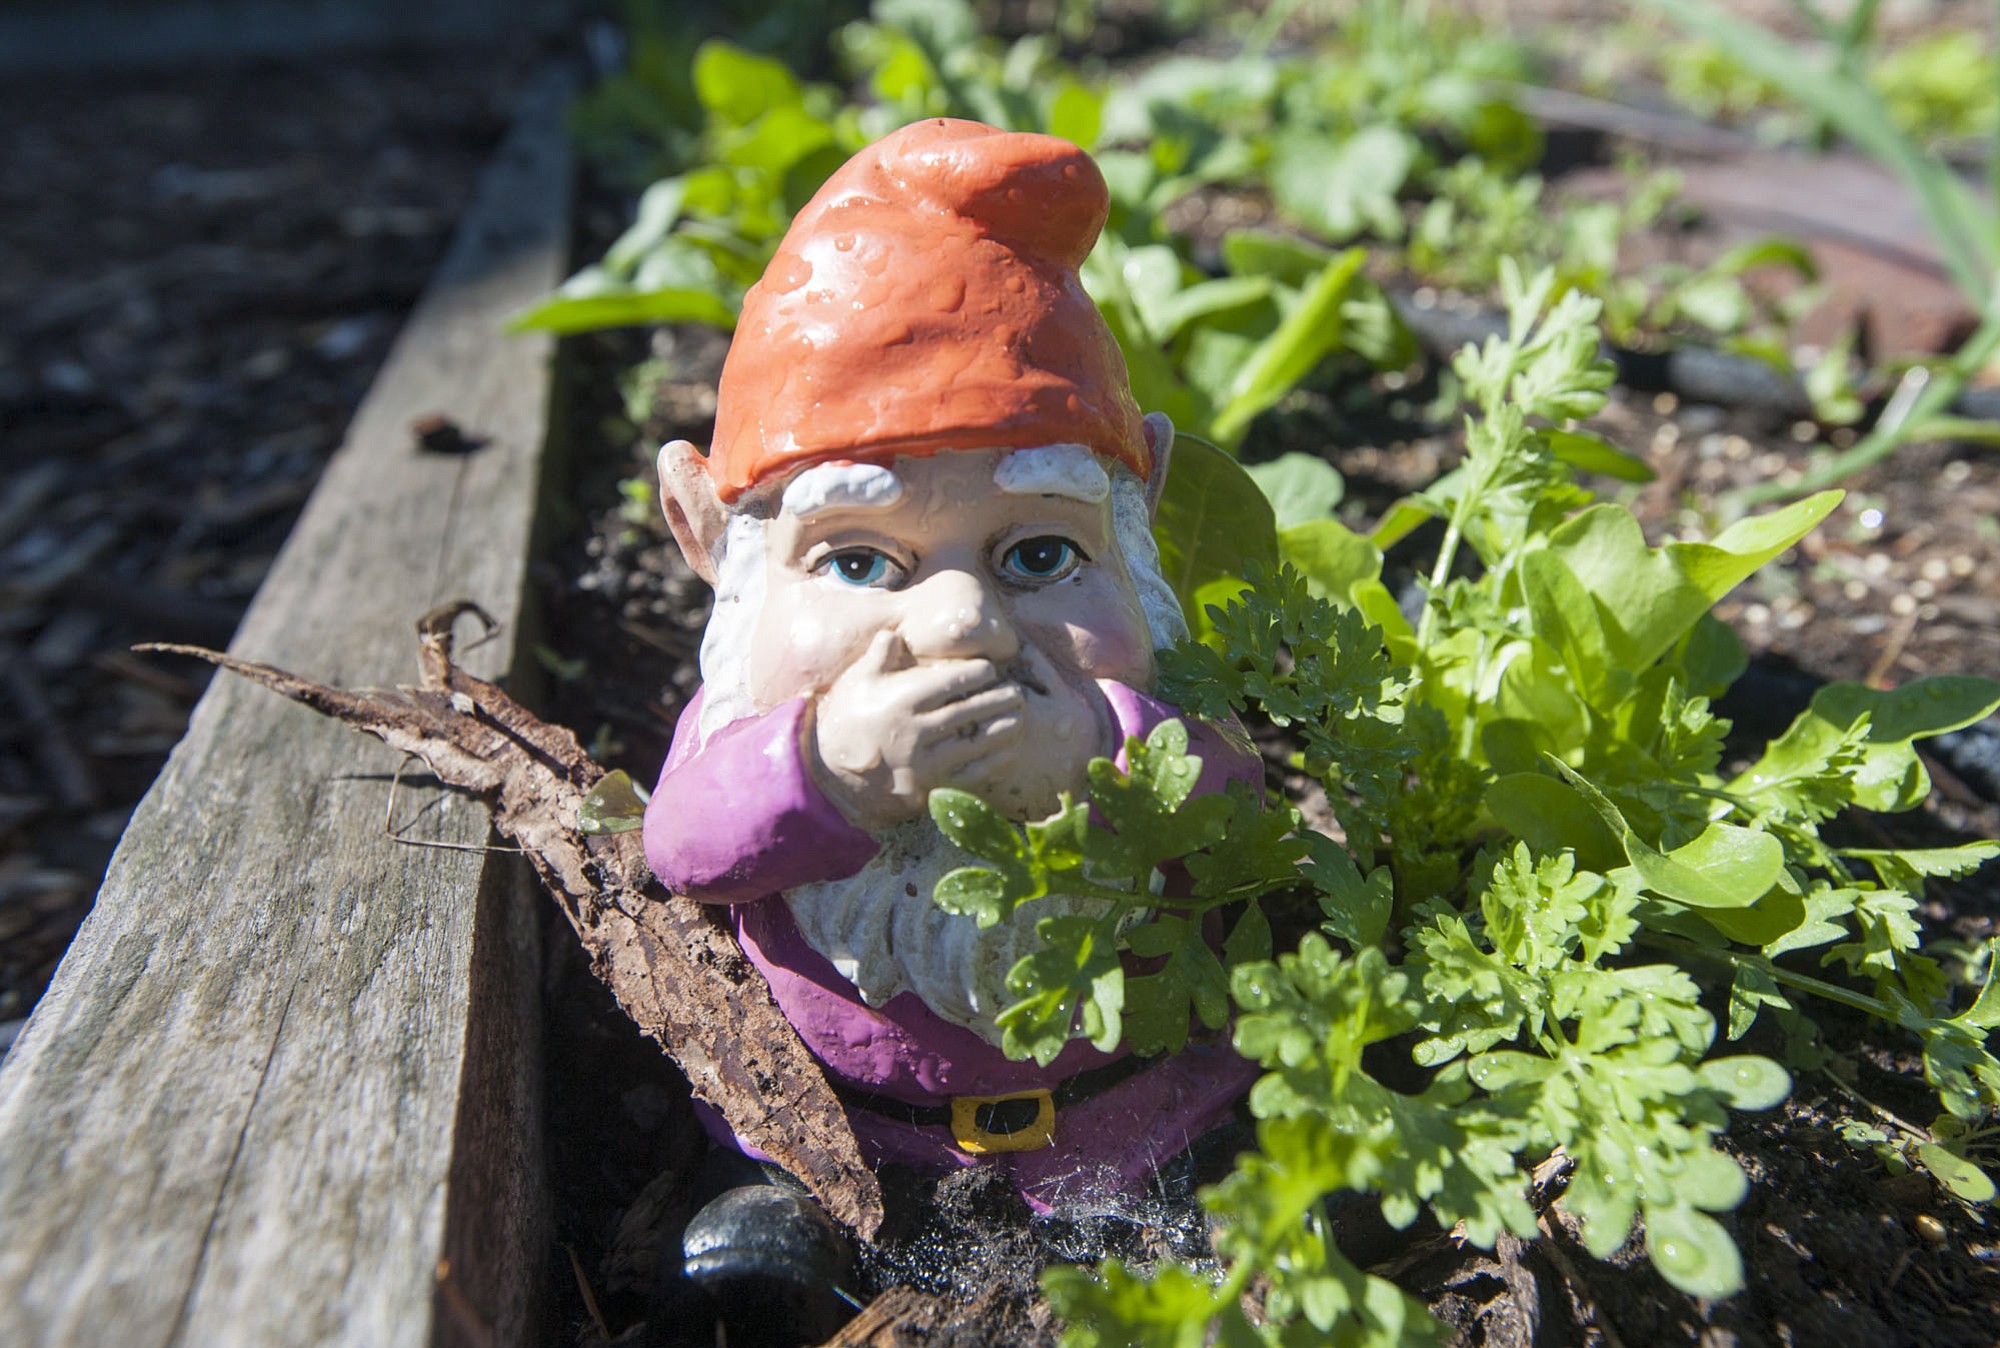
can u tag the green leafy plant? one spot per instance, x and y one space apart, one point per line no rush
1542 877
1942 90
928 58
1837 90
1235 852
763 144
1390 87
1704 78
1528 780
1213 353
1395 102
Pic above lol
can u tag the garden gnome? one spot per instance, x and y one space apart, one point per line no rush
926 515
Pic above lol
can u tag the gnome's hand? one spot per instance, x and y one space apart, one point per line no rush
1068 723
889 729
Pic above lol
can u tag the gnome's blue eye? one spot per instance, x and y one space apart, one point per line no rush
1046 558
860 566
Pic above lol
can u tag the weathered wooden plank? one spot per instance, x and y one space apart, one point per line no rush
289 1068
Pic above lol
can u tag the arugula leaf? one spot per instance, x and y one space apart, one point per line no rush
1346 188
1300 487
1647 599
1213 524
1956 1173
1905 868
737 86
1310 331
1853 746
1337 563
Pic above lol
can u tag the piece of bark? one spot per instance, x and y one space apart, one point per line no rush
673 967
882 1321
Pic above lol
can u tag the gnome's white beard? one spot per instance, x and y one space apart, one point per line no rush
879 928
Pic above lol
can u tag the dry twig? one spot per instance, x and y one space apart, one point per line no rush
674 968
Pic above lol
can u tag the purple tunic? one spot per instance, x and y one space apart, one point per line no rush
740 819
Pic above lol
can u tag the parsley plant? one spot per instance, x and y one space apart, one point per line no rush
1543 865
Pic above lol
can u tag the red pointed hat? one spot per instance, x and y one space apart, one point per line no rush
927 299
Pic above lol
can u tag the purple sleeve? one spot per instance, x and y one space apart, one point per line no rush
739 816
1225 751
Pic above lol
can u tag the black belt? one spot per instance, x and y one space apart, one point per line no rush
1019 1121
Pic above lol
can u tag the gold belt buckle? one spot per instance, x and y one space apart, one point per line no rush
967 1132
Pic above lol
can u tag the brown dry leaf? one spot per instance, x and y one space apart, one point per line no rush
671 964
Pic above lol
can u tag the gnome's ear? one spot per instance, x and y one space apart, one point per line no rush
1159 449
694 511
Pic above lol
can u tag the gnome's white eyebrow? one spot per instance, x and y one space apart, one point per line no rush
1053 470
841 486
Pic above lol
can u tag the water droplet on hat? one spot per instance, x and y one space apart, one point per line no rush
788 274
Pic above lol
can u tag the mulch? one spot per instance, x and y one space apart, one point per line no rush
200 271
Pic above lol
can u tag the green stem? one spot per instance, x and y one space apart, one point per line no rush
1735 802
1858 29
1818 987
1920 1134
1134 897
1813 19
1447 554
1989 219
1269 25
1468 730
1891 432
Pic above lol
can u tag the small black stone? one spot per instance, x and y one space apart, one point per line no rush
773 1262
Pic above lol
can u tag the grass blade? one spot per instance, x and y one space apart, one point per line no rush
1963 228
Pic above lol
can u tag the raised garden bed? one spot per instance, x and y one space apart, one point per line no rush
1899 584
1824 1220
290 1062
331 1091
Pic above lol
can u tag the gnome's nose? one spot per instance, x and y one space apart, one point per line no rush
954 615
